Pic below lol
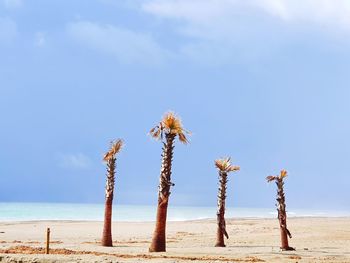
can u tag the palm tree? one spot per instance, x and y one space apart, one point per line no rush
281 209
167 130
110 159
224 166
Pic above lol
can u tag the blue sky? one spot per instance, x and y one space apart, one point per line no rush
265 82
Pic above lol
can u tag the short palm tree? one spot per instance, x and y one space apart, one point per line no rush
167 130
224 167
110 159
281 208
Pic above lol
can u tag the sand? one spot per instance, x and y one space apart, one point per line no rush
251 240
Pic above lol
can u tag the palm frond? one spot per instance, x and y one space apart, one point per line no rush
283 174
155 132
271 178
116 146
182 138
224 165
170 124
233 168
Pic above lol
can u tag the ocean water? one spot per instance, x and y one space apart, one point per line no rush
94 212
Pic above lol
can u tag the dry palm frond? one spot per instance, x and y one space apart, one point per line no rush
170 124
271 178
283 174
115 148
224 165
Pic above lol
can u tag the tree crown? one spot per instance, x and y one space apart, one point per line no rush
115 148
170 124
224 165
282 175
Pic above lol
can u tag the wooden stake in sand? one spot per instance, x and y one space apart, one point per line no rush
48 241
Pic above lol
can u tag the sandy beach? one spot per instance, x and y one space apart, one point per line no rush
251 240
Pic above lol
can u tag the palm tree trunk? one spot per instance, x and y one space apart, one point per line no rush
219 233
107 226
284 237
159 236
221 230
282 216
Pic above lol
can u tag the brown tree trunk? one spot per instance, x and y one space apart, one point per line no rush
282 216
284 232
284 239
159 236
221 230
219 235
107 226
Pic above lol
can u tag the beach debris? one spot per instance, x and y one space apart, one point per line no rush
47 251
166 131
281 208
224 167
110 159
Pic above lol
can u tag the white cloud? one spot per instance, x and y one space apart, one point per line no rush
125 45
335 13
40 39
219 31
13 3
191 10
8 30
76 161
327 13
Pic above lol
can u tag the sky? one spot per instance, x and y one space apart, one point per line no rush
263 81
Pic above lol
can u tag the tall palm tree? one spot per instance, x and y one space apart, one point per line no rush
166 130
110 159
224 166
281 208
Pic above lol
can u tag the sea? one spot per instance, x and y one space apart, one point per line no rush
141 213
